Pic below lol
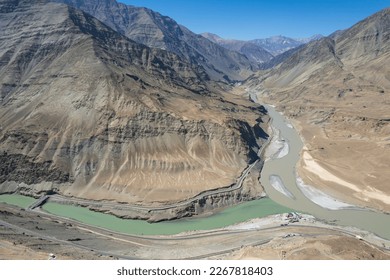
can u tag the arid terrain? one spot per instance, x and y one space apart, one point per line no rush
336 93
86 112
122 110
329 246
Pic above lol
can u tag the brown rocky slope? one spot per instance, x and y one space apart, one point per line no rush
89 113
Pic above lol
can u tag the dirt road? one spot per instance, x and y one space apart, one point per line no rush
40 234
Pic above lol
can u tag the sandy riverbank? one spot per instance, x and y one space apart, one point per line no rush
312 171
320 198
278 147
277 184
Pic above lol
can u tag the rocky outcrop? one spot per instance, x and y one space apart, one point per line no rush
20 168
206 202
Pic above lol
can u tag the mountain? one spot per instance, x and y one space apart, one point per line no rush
337 91
279 44
155 30
267 52
253 52
87 112
276 60
309 39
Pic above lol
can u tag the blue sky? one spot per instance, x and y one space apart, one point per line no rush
252 19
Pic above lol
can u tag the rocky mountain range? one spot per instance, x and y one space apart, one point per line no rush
337 90
101 100
155 30
270 47
277 45
253 52
267 52
87 112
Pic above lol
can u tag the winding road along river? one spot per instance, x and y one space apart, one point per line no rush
284 168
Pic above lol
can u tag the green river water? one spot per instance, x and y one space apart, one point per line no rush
232 215
17 200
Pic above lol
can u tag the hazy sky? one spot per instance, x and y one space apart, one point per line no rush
252 19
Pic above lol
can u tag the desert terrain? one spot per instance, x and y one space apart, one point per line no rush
139 117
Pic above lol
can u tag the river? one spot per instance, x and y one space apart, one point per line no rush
284 169
17 200
232 215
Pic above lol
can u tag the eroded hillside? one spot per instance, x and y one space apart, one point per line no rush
89 113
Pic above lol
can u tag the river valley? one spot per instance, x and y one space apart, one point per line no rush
279 167
284 168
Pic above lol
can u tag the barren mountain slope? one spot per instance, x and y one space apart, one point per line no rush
337 91
155 30
89 113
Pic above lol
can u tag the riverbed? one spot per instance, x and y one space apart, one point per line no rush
284 168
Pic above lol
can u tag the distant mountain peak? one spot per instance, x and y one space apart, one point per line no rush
279 44
267 51
254 53
309 39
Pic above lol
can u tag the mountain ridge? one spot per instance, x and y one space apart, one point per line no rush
267 52
253 52
87 112
155 30
277 45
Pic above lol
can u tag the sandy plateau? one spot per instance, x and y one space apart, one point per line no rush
354 170
327 247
